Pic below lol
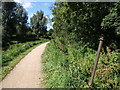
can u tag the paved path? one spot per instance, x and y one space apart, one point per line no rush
27 73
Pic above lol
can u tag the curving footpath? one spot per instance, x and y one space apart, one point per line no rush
27 73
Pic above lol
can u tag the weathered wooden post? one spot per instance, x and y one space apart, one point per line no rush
96 61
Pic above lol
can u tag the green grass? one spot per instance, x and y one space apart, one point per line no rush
73 69
54 75
14 54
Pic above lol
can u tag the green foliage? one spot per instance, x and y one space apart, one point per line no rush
111 26
49 34
14 50
38 24
7 20
73 70
55 75
85 22
21 21
14 21
77 28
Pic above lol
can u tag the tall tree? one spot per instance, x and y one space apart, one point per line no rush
80 22
111 26
21 20
8 15
14 21
38 23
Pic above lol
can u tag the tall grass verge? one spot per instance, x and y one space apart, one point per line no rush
73 69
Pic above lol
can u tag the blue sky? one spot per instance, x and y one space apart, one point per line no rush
33 7
37 6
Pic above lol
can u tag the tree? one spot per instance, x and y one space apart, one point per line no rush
21 21
8 15
38 23
77 28
80 22
49 33
14 21
111 26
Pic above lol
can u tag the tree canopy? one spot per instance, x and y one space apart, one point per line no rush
14 21
86 22
38 24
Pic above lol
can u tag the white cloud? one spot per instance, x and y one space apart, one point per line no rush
34 0
20 1
27 5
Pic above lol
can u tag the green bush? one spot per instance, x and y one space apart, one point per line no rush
73 69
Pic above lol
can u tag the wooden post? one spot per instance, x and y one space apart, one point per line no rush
96 61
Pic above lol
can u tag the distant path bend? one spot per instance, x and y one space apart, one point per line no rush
27 73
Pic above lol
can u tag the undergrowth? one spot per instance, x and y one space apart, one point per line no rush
73 69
